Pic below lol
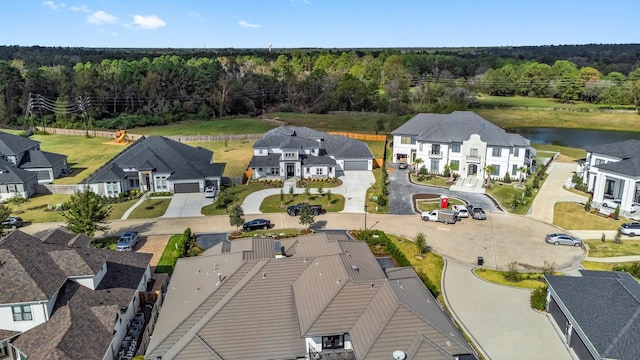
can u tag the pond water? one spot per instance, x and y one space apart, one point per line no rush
576 138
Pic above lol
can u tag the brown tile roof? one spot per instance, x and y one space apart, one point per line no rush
7 334
264 308
82 322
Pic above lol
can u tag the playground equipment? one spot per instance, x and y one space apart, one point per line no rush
121 137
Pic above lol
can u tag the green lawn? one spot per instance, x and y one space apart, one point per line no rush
117 210
271 204
85 155
159 208
549 103
571 216
428 205
35 210
609 248
527 280
431 180
227 126
376 147
235 156
171 254
342 121
430 264
595 265
237 193
376 190
506 193
573 153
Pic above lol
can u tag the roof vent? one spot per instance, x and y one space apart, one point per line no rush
355 267
338 281
305 260
264 275
399 355
220 279
197 289
371 286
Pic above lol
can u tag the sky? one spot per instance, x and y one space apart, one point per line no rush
316 23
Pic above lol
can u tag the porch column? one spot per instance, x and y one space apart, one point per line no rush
598 188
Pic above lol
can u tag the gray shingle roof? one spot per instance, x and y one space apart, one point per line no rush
10 174
13 144
82 322
264 307
41 159
622 149
456 128
162 155
606 307
271 160
317 160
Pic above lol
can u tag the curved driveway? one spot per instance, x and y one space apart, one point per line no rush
401 192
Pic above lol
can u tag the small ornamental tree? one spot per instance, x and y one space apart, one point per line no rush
587 205
489 169
416 163
421 243
281 198
307 189
291 190
18 200
4 214
616 213
87 213
306 215
329 197
320 190
236 217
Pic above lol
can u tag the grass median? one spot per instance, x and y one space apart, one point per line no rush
609 248
572 216
272 203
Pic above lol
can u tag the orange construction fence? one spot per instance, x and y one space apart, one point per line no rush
246 176
359 136
377 163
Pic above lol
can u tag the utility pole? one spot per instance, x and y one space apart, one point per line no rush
262 92
83 104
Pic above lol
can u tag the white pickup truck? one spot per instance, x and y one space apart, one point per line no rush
445 216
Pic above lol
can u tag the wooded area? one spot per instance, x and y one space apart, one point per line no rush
125 88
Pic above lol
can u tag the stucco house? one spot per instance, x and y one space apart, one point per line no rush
300 152
464 141
612 171
157 164
61 298
25 154
597 313
321 296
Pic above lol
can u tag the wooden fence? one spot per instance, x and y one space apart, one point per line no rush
359 136
47 189
134 137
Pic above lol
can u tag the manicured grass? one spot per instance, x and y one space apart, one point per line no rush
571 216
227 126
431 180
85 155
35 210
376 190
271 204
171 254
430 264
527 280
511 118
428 205
573 153
609 248
342 121
117 210
595 265
235 156
505 194
237 193
159 208
376 147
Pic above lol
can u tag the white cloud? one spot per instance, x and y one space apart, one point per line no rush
148 22
81 8
248 24
100 17
53 6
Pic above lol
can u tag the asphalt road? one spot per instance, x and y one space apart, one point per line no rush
401 192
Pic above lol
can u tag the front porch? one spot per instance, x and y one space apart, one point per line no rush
609 186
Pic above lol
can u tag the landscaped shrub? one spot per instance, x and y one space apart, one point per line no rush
633 269
539 298
587 205
160 193
507 178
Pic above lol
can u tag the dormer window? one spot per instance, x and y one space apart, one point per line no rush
333 342
22 313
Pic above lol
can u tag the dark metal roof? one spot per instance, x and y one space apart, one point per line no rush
606 307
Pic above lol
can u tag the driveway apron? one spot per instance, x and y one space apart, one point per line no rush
186 205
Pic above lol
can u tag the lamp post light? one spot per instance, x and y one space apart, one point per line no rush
365 217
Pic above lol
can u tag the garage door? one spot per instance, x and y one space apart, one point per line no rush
356 165
186 188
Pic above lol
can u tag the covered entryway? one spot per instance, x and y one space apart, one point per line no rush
291 170
356 165
183 188
473 170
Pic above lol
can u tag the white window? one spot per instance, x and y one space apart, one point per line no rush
11 188
260 151
319 171
514 170
162 183
473 152
420 147
496 152
22 313
516 152
112 188
435 166
496 170
600 162
408 140
455 148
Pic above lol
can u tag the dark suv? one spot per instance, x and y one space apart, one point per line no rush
631 229
294 210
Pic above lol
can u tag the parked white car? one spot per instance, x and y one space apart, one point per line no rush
461 210
210 192
614 203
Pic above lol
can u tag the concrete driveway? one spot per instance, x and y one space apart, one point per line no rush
499 318
552 191
186 205
401 191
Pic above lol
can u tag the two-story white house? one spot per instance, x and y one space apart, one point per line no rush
463 141
62 298
612 171
299 152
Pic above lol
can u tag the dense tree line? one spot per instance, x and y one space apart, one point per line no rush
137 87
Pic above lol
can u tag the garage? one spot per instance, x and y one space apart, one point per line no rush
182 188
356 164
